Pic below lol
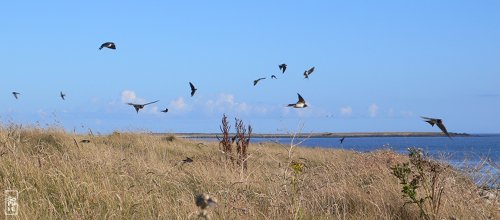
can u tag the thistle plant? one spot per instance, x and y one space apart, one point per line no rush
225 143
242 139
243 142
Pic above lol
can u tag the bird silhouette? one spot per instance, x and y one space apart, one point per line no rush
257 81
16 94
140 106
193 89
109 45
166 110
282 67
234 138
273 77
438 122
342 140
187 160
300 104
308 72
62 95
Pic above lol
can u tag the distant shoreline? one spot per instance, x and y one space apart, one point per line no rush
326 135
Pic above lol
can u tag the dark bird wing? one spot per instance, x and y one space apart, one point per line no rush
300 98
104 45
137 107
282 67
427 118
443 128
187 160
257 80
109 45
310 71
431 121
151 102
193 89
166 110
62 95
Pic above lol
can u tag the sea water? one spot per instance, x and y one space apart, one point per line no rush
478 155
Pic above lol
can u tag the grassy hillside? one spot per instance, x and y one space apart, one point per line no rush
141 176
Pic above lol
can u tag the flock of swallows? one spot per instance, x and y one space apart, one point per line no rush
301 103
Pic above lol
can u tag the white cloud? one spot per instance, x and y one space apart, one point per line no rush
179 104
373 110
243 107
226 98
346 111
128 96
261 109
393 113
223 103
154 109
407 114
227 103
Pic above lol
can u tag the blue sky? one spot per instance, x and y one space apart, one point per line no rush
380 65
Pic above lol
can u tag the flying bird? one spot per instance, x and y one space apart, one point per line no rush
140 106
109 45
62 95
257 81
308 72
193 89
300 104
273 77
438 122
342 140
282 67
16 94
166 110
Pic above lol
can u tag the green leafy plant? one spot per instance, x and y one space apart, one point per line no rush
296 183
422 182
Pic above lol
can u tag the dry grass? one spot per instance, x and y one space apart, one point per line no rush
140 176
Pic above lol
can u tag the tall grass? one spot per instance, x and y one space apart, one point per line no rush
138 176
